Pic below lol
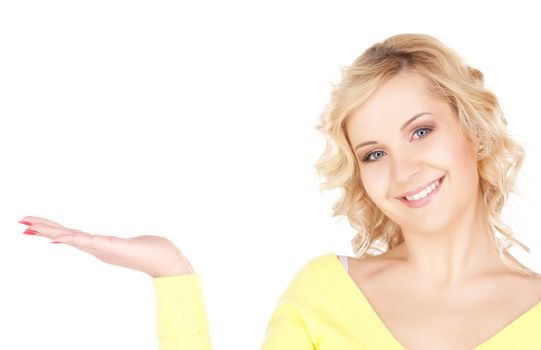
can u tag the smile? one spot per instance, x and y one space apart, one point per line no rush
422 197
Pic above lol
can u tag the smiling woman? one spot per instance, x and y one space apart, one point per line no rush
420 149
432 118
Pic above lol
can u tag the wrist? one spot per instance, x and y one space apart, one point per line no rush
175 269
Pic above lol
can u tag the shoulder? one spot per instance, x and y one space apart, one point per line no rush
325 265
314 265
312 275
370 265
520 287
319 261
318 264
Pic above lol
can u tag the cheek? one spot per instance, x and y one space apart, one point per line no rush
460 157
455 158
375 185
451 152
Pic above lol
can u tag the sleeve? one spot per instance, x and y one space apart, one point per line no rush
182 322
286 331
287 328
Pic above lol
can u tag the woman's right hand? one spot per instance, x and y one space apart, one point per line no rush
154 255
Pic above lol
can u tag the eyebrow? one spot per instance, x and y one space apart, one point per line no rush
408 122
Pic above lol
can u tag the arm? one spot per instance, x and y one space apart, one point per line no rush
182 322
181 316
286 330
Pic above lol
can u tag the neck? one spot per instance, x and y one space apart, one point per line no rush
451 255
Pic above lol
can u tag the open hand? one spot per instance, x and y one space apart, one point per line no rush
153 255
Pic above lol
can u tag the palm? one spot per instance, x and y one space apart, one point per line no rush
156 256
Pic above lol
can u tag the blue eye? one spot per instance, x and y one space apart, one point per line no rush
367 159
429 129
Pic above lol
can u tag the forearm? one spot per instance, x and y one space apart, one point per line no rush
178 266
181 315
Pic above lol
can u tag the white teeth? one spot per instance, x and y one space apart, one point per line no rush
424 192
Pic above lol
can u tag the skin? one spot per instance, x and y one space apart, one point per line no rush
446 270
446 248
154 255
446 242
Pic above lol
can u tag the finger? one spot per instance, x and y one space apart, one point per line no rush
37 220
52 232
97 245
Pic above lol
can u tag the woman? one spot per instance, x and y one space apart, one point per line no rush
420 149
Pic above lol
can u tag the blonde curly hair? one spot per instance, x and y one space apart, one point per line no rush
480 118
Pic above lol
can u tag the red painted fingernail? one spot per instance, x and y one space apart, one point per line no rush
25 223
55 242
30 232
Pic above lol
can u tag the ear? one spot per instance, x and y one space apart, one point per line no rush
477 145
474 147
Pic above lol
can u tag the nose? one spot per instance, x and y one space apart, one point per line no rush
405 167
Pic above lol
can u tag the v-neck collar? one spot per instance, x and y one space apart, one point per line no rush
381 329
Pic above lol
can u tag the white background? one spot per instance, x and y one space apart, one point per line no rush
196 121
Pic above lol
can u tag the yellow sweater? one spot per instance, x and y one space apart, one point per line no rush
322 308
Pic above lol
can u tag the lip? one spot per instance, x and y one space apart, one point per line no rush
419 188
423 201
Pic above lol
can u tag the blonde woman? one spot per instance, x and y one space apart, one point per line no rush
419 148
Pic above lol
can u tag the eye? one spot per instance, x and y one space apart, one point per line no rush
367 157
427 131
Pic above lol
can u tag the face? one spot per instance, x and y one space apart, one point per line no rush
407 156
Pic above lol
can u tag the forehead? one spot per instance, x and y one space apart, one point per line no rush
395 101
